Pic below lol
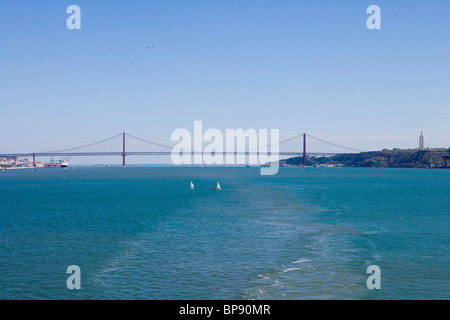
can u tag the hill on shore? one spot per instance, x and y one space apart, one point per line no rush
388 158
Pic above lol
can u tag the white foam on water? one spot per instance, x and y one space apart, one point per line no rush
292 269
302 260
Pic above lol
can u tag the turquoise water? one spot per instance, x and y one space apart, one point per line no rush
141 233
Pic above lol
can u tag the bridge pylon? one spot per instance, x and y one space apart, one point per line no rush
304 149
123 150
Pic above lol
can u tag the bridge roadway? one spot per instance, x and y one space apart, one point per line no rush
160 153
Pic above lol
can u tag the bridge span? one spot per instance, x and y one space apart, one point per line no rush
78 151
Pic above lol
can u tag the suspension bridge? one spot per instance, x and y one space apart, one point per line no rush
124 144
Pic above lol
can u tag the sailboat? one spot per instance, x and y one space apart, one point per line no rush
192 186
217 187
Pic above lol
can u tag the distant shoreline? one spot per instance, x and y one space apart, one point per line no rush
387 158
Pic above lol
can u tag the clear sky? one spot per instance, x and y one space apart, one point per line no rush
298 66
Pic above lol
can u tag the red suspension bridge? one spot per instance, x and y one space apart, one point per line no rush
119 145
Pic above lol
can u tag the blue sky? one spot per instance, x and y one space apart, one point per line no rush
298 66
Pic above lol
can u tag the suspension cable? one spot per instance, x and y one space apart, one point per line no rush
280 142
172 148
333 144
143 140
87 145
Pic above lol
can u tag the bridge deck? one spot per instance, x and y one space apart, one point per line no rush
161 153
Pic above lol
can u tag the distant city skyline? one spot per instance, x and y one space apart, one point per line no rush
149 68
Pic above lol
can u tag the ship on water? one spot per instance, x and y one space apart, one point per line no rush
57 164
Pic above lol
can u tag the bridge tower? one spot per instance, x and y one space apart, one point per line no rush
304 150
123 150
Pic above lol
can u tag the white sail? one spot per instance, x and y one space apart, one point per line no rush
192 186
218 186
